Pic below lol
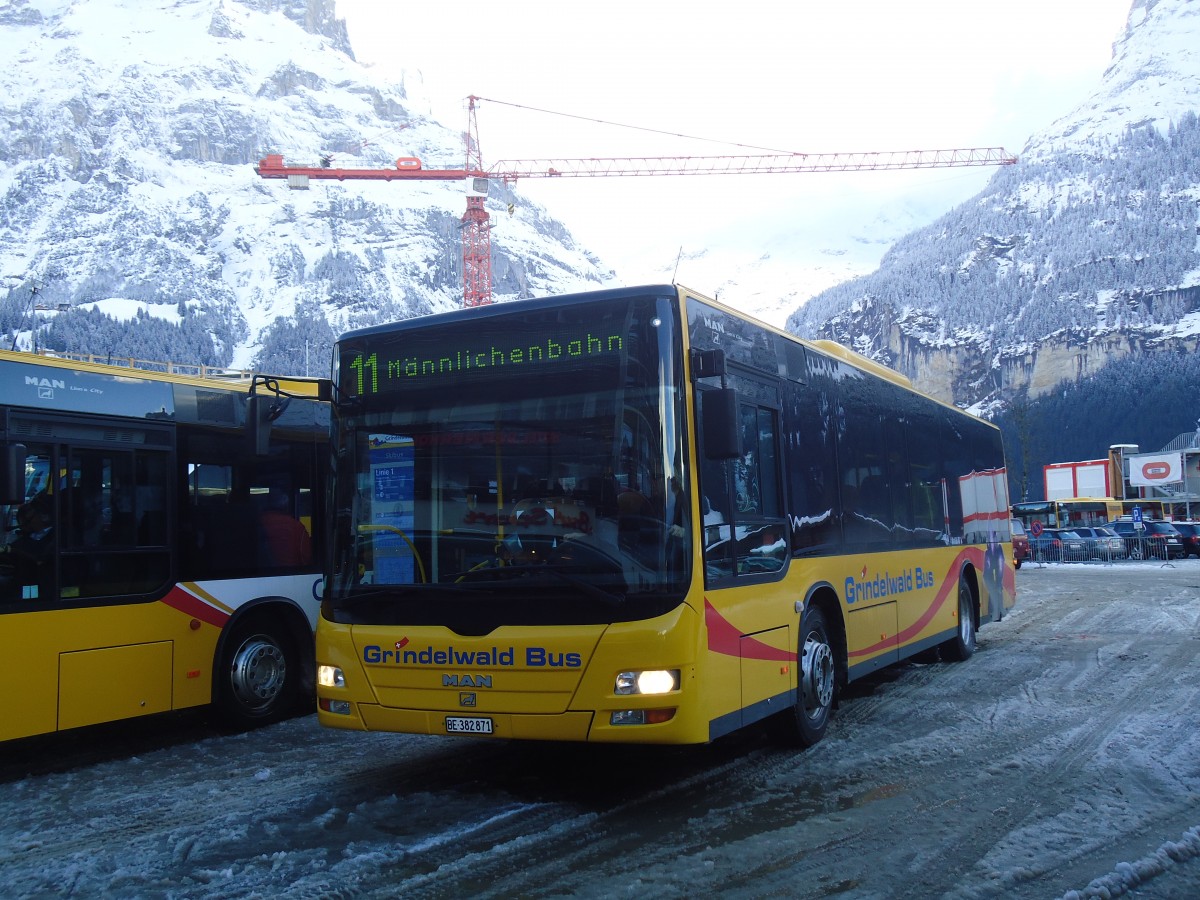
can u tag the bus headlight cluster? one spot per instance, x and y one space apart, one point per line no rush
330 676
649 681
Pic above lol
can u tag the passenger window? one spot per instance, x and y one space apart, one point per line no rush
243 520
114 534
745 532
31 533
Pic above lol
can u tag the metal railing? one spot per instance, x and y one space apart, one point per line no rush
1133 549
198 370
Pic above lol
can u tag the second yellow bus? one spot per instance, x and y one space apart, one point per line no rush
639 516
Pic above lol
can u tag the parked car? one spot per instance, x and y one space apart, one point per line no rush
1102 542
1190 533
1156 539
1020 543
1057 545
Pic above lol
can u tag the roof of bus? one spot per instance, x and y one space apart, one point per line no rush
228 379
468 314
491 310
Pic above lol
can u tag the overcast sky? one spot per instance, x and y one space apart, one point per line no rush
840 75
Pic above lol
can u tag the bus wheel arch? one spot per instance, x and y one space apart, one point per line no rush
821 671
962 646
264 666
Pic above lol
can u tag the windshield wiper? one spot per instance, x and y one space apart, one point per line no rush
353 597
591 590
596 593
512 570
395 592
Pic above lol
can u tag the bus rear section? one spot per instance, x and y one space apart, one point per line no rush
638 516
151 561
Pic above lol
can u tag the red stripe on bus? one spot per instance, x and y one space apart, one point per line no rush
948 587
189 604
726 639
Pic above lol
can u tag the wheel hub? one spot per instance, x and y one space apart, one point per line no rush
258 672
816 671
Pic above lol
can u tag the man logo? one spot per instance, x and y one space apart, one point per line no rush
466 700
475 681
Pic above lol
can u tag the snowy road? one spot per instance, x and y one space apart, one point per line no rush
1063 757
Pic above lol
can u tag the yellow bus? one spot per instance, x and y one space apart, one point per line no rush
152 559
1068 512
637 515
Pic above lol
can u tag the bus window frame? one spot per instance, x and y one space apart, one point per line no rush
754 391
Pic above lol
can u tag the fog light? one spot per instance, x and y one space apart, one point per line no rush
641 716
628 717
330 676
338 707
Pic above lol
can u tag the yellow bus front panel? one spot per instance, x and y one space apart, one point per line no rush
559 682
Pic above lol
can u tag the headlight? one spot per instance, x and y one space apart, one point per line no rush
650 681
330 676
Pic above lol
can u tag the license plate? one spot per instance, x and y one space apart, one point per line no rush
468 725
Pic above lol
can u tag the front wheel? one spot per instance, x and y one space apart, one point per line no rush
259 677
807 721
962 645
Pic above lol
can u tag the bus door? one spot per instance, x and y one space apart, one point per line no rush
85 553
28 563
746 552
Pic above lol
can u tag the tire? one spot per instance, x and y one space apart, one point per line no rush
806 722
962 646
259 676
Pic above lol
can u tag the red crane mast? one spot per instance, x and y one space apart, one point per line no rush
476 227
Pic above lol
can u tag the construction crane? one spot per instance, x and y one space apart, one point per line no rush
476 227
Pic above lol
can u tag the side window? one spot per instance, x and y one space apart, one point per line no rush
114 522
244 516
28 545
926 486
895 440
866 505
812 417
744 528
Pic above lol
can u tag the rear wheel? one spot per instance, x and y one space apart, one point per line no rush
962 645
807 721
259 676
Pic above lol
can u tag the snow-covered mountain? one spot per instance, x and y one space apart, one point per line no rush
133 223
132 220
1084 253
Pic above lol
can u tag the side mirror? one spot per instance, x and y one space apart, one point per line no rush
12 478
261 411
708 363
722 437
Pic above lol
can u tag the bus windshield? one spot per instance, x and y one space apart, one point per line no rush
530 473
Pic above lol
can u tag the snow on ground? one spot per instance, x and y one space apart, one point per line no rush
1062 760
